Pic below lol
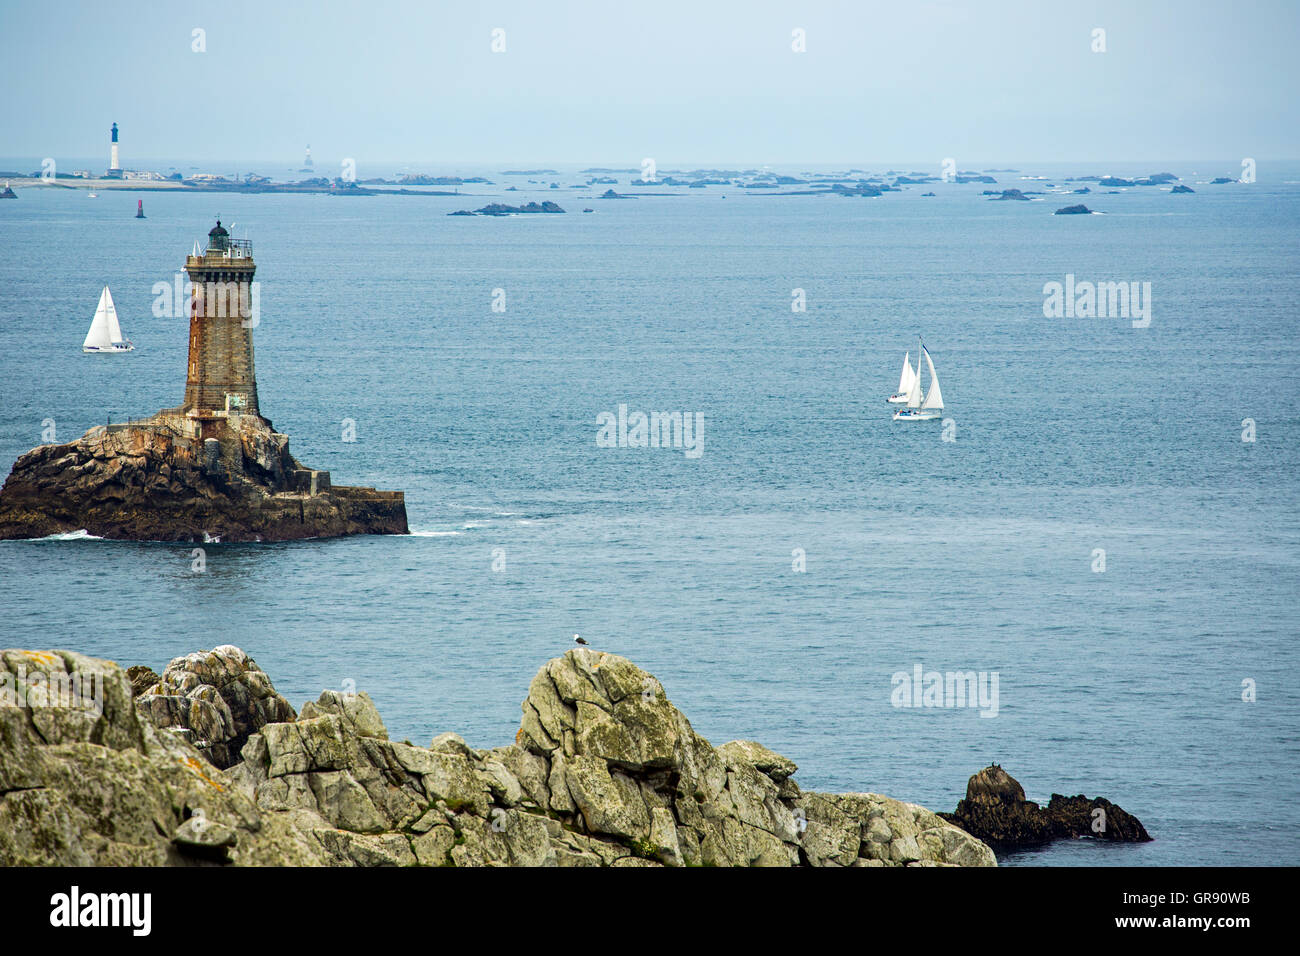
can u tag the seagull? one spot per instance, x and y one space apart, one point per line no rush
578 640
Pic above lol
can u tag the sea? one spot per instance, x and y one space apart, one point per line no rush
1103 525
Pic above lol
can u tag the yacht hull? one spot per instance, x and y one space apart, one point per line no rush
916 416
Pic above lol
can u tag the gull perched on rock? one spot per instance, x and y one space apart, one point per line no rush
578 640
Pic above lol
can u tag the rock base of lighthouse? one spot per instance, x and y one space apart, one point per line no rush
178 477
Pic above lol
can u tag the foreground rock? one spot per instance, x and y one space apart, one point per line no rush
605 771
214 699
160 480
995 810
86 781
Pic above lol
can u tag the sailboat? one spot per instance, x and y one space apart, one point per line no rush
105 334
904 382
918 409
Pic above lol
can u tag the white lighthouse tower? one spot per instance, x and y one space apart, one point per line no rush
114 167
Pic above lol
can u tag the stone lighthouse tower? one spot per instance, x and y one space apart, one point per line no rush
223 310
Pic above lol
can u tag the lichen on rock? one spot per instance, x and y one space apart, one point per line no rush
605 772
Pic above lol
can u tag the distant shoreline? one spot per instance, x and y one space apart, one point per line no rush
157 185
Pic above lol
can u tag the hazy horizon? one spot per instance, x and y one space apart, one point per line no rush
690 86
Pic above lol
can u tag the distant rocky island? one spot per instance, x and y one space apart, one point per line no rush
852 182
423 180
501 209
1079 210
210 469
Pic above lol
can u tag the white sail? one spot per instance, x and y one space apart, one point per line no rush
934 397
905 380
114 330
100 335
105 334
914 391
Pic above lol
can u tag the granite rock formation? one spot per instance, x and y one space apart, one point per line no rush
605 771
162 480
215 699
995 810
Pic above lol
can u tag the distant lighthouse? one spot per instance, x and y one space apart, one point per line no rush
114 167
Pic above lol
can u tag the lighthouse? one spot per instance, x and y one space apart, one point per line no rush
114 167
223 310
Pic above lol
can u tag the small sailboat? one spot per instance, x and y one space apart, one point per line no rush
919 409
904 382
92 194
105 334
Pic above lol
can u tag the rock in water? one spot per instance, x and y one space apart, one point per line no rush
501 209
995 810
212 468
605 772
162 480
1079 817
1079 210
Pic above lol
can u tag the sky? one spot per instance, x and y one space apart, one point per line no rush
690 84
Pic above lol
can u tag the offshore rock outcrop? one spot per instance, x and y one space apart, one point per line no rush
501 209
995 810
170 478
605 771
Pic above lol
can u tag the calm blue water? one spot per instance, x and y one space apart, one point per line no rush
976 554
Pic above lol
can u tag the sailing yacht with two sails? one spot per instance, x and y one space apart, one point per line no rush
105 334
909 393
